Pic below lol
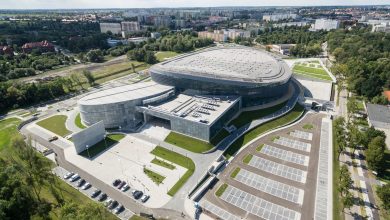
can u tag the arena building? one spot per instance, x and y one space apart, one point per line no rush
195 93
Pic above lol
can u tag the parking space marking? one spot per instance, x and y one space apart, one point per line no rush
291 143
302 134
257 206
285 155
278 169
271 187
221 213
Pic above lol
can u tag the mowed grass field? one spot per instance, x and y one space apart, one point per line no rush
312 71
8 130
163 55
55 124
178 159
188 143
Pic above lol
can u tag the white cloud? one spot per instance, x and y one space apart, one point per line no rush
52 4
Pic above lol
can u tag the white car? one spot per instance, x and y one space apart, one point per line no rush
125 187
86 186
74 178
68 175
144 198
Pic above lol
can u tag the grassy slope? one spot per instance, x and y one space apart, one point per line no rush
179 160
78 123
188 143
7 132
155 177
312 72
163 164
96 149
165 54
55 124
221 190
286 119
248 116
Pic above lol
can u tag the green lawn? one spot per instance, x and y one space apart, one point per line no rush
248 116
179 160
155 177
259 147
337 205
221 190
101 146
235 172
247 158
308 126
78 123
163 164
319 73
188 143
55 124
8 130
290 117
162 55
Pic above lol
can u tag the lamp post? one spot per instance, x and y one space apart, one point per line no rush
105 142
87 146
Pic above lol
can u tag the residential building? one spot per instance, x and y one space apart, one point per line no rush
282 48
218 36
43 46
130 26
114 28
155 35
279 17
162 21
325 24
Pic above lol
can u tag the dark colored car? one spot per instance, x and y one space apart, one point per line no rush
96 193
119 209
116 182
137 194
121 184
102 197
81 183
113 205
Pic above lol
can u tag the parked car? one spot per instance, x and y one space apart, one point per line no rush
102 197
68 175
119 209
74 178
81 183
145 198
108 202
121 184
137 194
116 182
125 187
53 139
96 193
86 186
113 205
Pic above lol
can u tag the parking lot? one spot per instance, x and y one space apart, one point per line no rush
60 172
277 181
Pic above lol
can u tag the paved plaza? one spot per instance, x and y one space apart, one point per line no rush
279 181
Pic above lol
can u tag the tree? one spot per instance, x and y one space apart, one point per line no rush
95 56
354 137
75 77
370 134
341 137
384 195
380 99
345 180
88 75
375 154
352 107
348 200
150 58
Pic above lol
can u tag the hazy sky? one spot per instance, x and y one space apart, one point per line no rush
52 4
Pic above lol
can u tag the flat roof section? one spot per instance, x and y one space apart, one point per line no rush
379 113
232 63
204 109
124 93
